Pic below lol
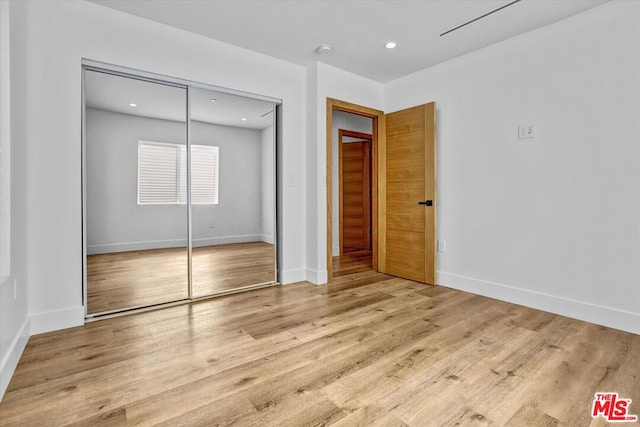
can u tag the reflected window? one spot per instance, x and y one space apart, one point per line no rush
162 174
204 174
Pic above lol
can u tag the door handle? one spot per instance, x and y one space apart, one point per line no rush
426 203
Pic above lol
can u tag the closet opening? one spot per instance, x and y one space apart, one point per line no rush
179 190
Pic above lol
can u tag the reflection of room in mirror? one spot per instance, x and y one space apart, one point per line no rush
233 240
136 233
141 278
148 277
123 236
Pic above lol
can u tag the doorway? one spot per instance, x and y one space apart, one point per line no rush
355 191
355 204
353 124
403 219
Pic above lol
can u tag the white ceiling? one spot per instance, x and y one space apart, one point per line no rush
115 93
357 29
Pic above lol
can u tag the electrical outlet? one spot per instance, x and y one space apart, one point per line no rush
212 224
442 245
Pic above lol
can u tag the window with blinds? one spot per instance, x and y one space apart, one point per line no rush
162 174
204 174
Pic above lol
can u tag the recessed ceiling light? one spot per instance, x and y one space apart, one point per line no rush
323 49
390 45
214 100
133 105
244 119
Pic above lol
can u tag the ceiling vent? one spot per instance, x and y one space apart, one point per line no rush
478 18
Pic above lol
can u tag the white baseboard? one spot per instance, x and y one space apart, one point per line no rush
10 361
267 239
600 315
134 246
225 240
57 319
317 277
175 243
288 277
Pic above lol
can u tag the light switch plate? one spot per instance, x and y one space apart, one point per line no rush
526 131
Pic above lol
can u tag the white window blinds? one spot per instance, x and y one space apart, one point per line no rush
204 175
162 174
159 170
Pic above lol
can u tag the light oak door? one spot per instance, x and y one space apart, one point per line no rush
355 196
408 195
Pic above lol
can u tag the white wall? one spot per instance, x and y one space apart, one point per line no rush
5 145
325 81
267 182
348 121
237 217
115 221
52 99
551 222
14 292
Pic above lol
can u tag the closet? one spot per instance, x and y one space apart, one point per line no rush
179 190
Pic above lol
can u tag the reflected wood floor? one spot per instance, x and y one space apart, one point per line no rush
138 278
368 349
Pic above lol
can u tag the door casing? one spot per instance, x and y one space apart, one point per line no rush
377 146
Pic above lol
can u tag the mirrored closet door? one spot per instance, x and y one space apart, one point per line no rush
135 192
179 192
232 137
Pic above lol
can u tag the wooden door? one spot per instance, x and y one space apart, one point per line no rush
408 195
355 196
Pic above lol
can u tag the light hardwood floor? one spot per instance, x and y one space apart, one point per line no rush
368 349
353 261
138 278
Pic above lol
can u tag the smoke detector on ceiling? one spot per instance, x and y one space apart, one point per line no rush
324 49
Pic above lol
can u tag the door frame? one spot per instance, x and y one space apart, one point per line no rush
368 138
377 148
